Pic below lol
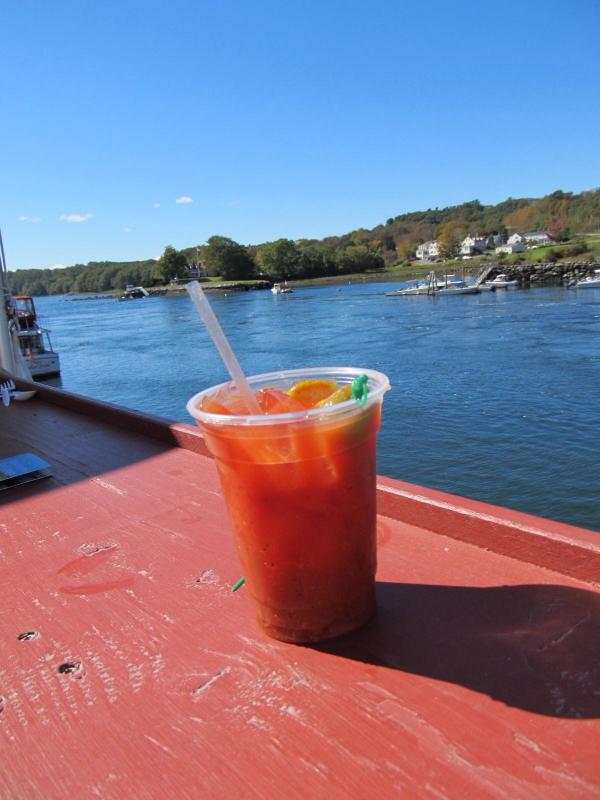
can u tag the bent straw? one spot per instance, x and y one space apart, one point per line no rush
207 315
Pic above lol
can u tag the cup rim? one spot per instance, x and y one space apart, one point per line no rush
378 384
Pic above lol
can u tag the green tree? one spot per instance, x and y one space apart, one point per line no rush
222 256
314 262
35 289
172 264
280 260
448 239
357 258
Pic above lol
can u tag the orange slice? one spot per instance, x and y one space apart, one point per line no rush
312 391
341 394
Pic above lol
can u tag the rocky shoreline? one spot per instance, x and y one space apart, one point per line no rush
228 286
161 291
550 274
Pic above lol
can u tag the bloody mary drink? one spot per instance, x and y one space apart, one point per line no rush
299 484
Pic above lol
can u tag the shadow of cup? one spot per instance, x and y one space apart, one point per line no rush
534 647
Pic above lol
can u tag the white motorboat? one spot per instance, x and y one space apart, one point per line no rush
502 281
590 282
279 288
434 285
420 288
427 286
34 342
134 293
449 282
449 291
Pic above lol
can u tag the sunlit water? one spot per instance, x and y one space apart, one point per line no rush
494 396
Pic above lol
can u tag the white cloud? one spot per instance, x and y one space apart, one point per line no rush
25 218
57 266
126 230
184 199
76 217
156 205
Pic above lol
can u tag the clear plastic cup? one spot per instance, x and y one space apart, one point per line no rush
300 493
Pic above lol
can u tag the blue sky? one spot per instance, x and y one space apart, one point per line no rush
270 119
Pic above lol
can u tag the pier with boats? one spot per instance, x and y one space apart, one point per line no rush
450 285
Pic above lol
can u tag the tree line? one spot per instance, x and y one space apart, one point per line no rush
561 214
220 257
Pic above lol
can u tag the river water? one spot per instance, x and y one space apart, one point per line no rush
494 396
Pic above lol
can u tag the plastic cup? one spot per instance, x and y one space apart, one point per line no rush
300 493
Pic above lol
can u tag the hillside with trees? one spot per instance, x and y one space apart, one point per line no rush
561 214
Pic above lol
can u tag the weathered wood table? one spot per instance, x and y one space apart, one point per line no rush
130 669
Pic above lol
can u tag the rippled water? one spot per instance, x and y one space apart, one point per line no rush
495 396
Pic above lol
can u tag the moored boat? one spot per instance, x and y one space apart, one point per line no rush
449 284
449 291
34 341
134 293
591 282
427 286
421 288
281 288
502 281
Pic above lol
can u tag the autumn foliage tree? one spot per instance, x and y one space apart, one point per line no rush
559 230
449 238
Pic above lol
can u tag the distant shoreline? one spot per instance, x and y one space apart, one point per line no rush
527 274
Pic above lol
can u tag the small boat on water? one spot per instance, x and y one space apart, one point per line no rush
134 293
449 291
502 281
591 282
427 286
449 285
420 288
34 341
281 288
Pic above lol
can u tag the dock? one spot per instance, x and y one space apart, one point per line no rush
485 273
130 668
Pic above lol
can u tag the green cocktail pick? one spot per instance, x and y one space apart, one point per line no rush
237 584
360 389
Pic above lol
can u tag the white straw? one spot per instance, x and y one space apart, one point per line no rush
207 315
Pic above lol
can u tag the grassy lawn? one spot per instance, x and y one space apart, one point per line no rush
397 272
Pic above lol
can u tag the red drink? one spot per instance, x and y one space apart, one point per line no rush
300 492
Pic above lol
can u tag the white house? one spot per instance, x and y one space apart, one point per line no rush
516 238
537 238
517 247
427 251
473 244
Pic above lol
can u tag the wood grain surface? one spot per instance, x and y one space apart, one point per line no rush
130 669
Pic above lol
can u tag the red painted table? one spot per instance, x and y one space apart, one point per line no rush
130 669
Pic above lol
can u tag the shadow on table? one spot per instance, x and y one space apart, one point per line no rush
535 647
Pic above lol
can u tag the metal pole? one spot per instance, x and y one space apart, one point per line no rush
7 360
